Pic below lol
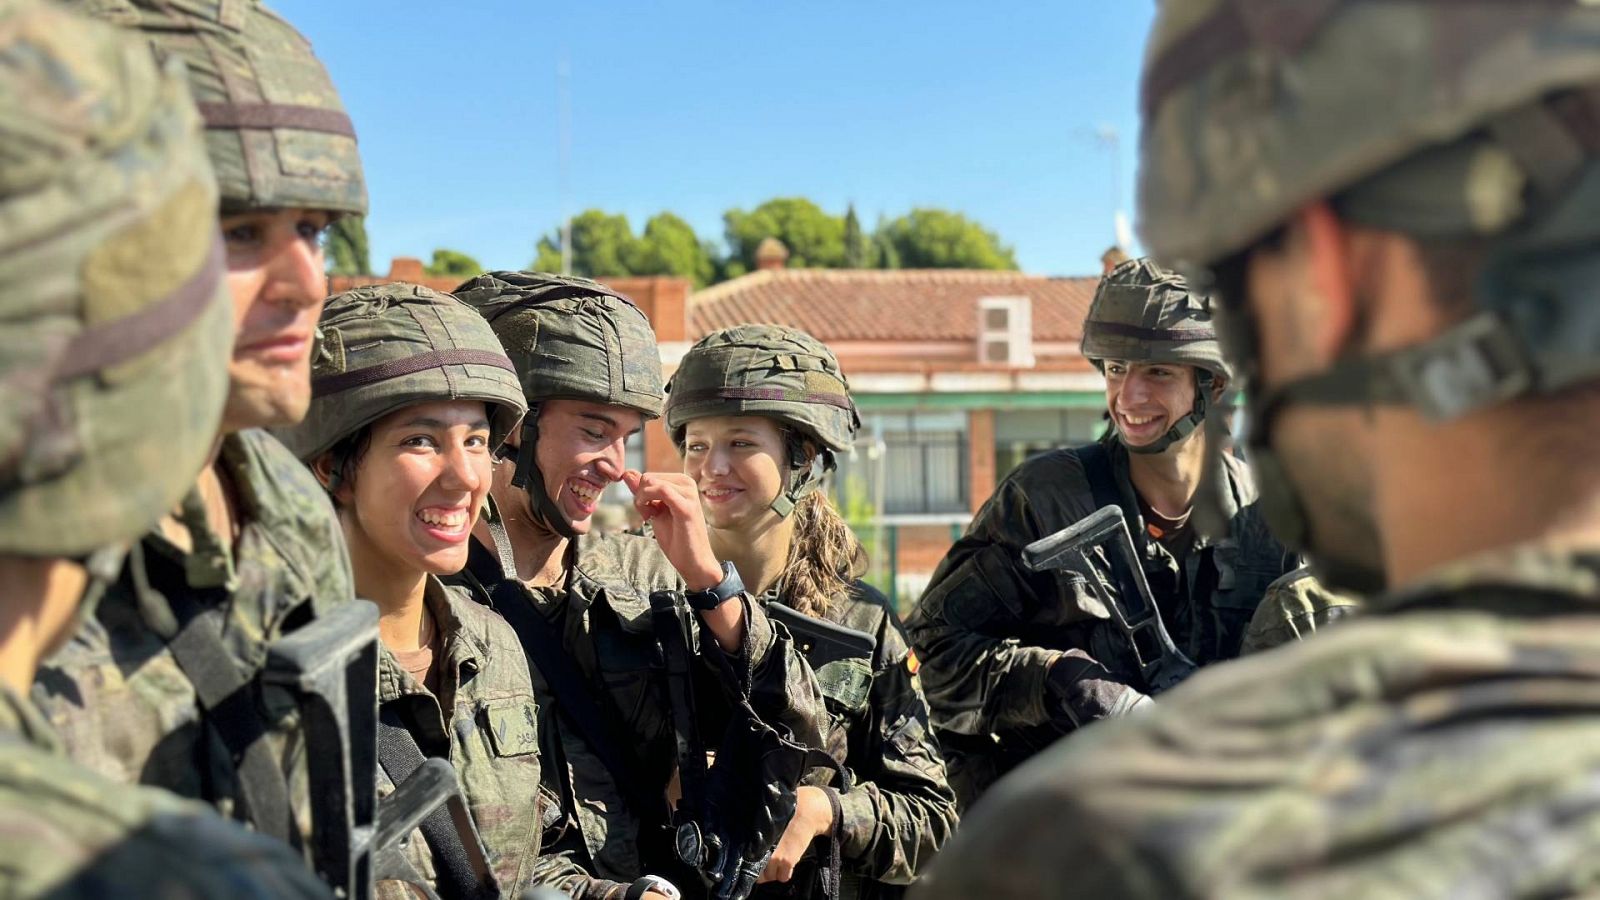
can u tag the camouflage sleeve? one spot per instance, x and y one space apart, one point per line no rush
559 871
969 627
182 856
1013 850
783 688
1294 607
898 816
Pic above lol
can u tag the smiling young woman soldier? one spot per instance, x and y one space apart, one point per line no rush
1012 660
758 412
411 396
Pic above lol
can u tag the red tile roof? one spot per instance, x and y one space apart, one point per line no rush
893 305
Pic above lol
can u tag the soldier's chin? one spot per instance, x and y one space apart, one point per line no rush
580 525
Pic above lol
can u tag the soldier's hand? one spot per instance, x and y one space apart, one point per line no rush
813 817
1080 691
670 502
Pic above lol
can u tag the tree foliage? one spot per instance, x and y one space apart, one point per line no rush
601 244
604 244
857 251
940 239
669 246
346 248
453 264
814 238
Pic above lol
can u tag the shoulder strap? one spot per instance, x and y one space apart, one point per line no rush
1102 478
400 756
494 577
225 689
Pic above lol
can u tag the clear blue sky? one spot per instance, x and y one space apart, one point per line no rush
697 106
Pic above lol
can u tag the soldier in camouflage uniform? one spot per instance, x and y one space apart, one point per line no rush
1296 606
1012 660
758 412
114 329
591 373
254 550
1398 204
412 394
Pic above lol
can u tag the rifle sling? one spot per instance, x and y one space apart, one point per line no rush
495 576
225 691
1102 478
400 756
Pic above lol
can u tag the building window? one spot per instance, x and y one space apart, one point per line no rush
1022 434
1005 331
922 466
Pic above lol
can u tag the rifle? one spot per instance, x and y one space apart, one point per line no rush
1132 605
733 811
330 667
813 630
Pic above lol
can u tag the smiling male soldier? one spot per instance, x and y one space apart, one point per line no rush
1012 660
145 691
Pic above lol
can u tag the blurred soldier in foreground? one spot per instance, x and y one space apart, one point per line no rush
161 686
1013 659
591 373
1401 205
758 438
114 329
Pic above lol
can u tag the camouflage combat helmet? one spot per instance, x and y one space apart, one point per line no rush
277 134
1439 120
1144 313
569 338
768 370
390 346
115 322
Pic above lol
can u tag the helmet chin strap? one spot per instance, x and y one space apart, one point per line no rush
528 477
1281 503
804 479
1186 425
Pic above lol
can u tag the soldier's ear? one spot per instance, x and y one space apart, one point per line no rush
1219 387
1324 249
326 469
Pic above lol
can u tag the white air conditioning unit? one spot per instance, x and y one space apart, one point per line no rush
1005 331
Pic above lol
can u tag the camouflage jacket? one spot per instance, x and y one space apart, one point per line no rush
70 834
988 631
1295 607
490 735
900 809
1442 744
603 613
116 694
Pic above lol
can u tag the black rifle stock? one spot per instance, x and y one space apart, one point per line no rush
1160 661
848 640
330 667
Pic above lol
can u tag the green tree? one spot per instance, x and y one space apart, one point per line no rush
940 239
346 248
453 264
884 255
602 244
669 246
813 237
857 252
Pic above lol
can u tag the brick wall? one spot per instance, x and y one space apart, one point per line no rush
980 457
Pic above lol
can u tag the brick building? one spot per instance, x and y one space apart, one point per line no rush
959 375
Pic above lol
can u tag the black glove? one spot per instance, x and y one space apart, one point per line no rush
1079 690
